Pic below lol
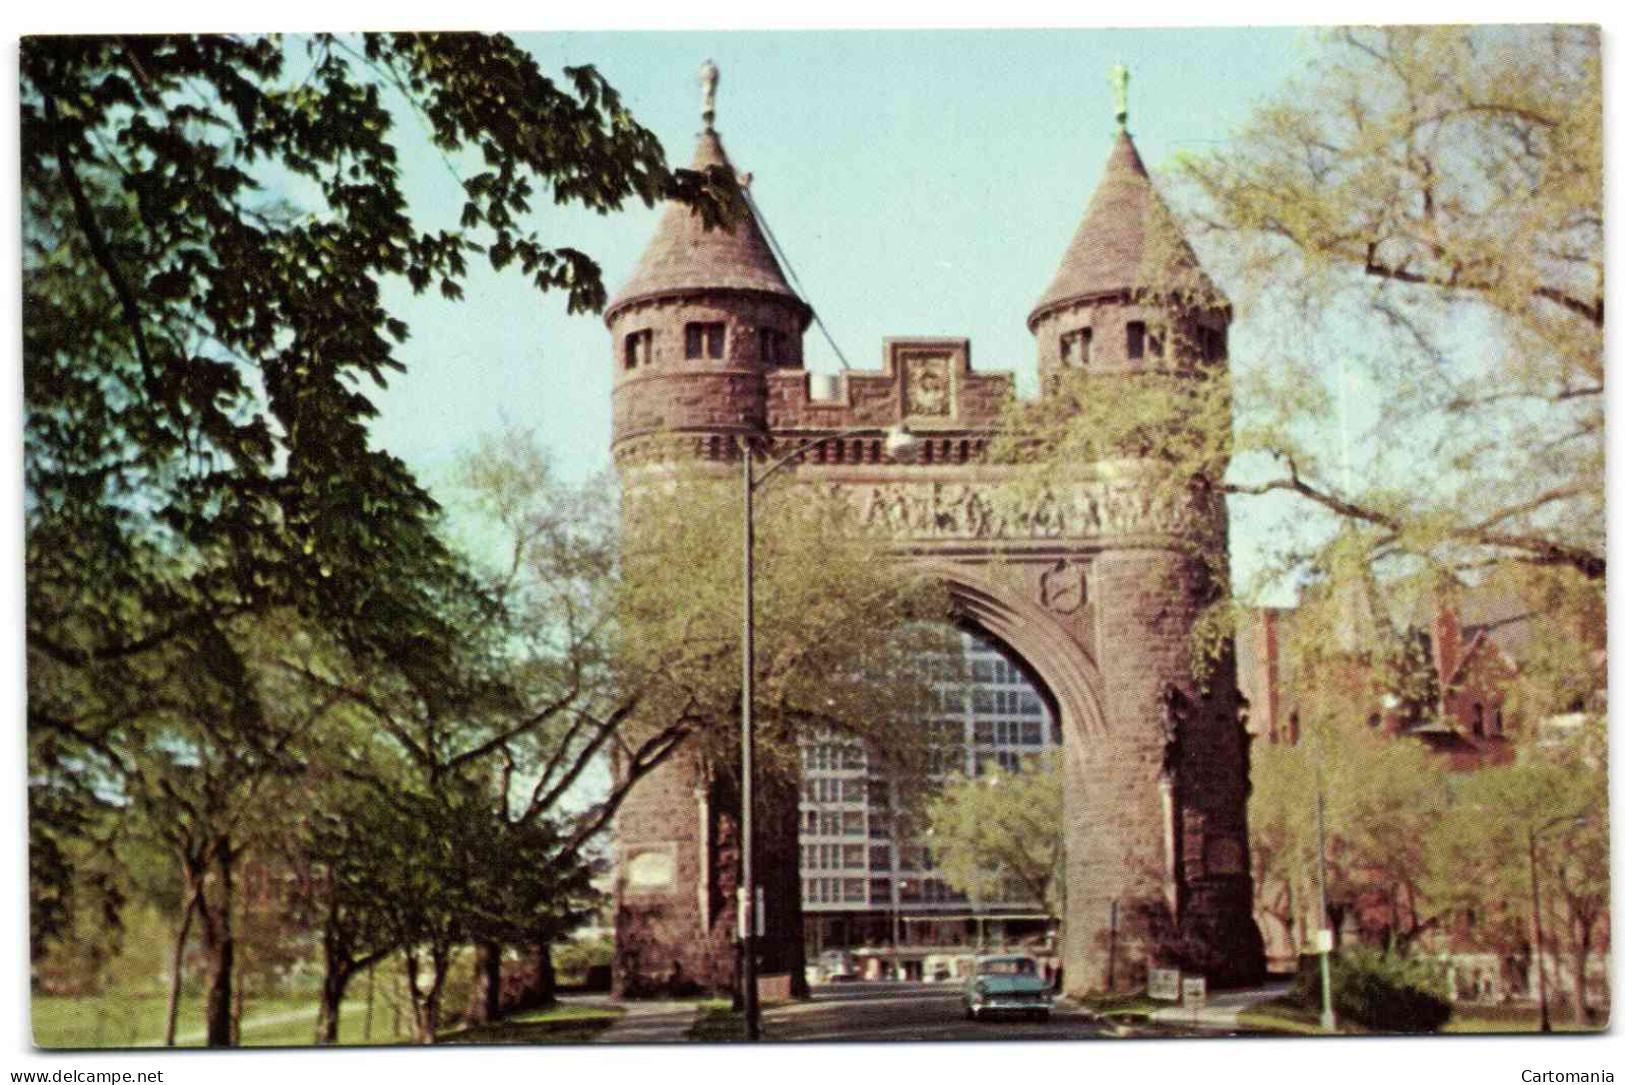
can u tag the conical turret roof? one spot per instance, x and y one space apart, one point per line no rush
684 256
1128 241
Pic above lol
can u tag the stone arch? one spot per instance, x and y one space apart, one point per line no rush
1064 671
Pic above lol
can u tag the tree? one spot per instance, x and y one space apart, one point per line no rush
1553 802
1411 242
1382 796
207 221
1000 834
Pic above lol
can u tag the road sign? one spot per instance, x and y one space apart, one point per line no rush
1163 984
1323 941
1195 990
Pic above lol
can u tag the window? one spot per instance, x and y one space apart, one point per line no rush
880 890
984 732
852 856
879 792
1499 727
852 823
852 790
880 857
829 823
852 757
1136 339
1154 340
638 347
775 347
1212 341
1075 347
702 341
1478 720
1032 733
854 891
810 822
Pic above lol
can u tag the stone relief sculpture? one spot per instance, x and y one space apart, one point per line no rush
938 510
928 385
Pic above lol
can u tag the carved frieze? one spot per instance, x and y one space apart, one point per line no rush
946 510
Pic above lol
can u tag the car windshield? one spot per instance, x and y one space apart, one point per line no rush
1009 966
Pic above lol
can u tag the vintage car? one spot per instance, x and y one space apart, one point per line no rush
1007 983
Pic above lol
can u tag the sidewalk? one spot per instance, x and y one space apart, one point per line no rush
650 1023
1221 1010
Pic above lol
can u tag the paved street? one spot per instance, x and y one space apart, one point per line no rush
874 1012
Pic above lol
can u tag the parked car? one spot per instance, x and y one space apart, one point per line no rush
1007 983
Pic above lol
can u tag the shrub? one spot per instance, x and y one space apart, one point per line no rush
1383 990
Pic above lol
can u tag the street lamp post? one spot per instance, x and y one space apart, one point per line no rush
898 442
1534 890
1323 936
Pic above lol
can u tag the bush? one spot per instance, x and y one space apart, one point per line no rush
1383 990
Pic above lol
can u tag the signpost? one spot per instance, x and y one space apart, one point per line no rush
1195 992
1163 984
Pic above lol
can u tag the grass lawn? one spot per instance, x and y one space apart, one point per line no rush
1469 1018
1285 1016
1134 1006
559 1025
126 1021
116 1020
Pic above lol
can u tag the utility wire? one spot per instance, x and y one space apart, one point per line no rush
773 242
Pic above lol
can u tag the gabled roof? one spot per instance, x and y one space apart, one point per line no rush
684 256
1128 240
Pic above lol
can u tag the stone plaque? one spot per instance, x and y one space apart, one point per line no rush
651 870
928 391
1225 856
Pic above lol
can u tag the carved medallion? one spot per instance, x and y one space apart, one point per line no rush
1062 587
928 385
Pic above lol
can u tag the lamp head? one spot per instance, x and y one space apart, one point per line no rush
901 444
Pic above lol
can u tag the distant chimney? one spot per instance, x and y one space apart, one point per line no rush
1446 639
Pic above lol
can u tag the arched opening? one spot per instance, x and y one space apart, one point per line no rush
880 905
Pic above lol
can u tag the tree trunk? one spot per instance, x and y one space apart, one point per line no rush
220 950
485 1000
426 1003
547 980
1582 952
177 959
334 981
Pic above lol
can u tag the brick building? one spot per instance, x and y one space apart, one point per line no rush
1092 582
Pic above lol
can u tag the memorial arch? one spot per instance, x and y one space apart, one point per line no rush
1093 581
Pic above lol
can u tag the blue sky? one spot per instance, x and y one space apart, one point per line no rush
921 183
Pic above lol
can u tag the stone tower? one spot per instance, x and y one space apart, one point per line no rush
704 319
1161 797
1094 583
